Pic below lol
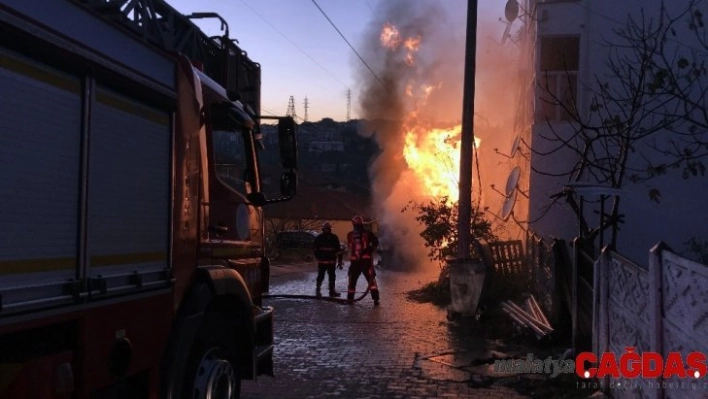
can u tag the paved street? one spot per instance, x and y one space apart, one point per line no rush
402 349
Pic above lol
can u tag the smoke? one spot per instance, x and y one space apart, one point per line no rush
384 103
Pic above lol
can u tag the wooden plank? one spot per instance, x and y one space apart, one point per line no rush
525 319
530 317
507 257
539 311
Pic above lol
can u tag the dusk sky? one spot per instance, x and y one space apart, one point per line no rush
302 55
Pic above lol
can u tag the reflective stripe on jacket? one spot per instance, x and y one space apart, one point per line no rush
327 249
361 244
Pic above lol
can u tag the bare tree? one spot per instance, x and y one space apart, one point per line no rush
646 116
679 72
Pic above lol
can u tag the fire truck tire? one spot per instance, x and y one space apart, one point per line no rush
212 368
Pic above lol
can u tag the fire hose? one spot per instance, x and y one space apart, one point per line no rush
341 301
322 298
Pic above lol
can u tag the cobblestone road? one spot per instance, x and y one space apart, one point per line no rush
401 349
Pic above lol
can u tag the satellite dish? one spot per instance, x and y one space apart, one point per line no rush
512 181
508 206
515 146
511 10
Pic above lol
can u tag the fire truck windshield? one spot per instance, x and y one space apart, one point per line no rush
230 159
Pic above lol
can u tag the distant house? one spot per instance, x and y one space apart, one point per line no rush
312 206
333 178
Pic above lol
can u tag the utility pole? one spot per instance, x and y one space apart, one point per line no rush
467 274
349 104
307 105
467 138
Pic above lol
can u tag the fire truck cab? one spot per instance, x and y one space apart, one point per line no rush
132 256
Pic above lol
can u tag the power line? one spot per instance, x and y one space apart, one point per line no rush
373 12
370 8
267 111
347 41
293 43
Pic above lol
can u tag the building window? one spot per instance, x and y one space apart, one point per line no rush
557 78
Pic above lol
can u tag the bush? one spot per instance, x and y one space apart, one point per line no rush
439 219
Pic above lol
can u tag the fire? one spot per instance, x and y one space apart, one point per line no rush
431 153
392 40
412 43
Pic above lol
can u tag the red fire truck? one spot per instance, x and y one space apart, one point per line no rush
131 226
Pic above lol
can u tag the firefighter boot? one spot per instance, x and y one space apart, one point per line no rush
375 297
318 292
350 298
332 292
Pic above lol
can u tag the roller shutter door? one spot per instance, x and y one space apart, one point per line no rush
40 146
129 194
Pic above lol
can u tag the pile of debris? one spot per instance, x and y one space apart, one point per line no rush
529 316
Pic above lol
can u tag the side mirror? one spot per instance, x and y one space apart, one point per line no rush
288 143
257 199
288 188
288 184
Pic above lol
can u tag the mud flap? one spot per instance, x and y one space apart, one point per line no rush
263 348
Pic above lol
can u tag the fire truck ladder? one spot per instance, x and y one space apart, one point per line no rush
157 23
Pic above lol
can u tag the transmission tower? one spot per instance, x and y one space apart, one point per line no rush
291 108
307 105
349 103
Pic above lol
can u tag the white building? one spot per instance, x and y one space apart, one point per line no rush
570 44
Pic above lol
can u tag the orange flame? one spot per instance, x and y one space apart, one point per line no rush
412 43
391 39
432 154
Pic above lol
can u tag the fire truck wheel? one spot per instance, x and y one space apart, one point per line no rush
211 369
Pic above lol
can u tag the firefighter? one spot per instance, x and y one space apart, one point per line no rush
361 244
328 254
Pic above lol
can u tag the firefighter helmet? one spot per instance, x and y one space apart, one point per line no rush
357 220
326 226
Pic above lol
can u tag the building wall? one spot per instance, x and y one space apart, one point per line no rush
681 211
